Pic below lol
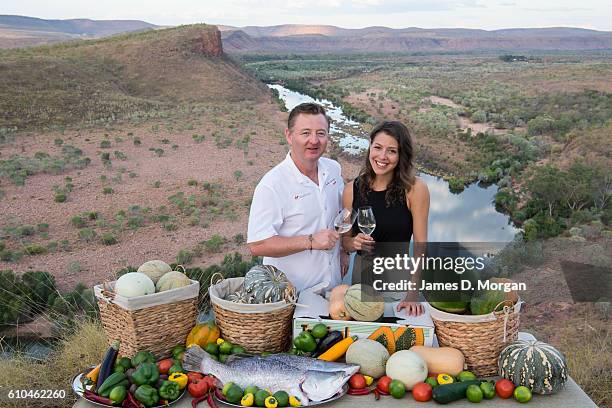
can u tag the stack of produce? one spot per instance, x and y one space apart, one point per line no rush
321 343
135 382
151 277
264 284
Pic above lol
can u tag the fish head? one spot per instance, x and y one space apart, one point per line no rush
319 385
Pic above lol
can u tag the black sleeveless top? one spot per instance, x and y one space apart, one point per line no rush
393 223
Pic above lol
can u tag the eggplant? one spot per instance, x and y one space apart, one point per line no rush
129 374
108 363
327 342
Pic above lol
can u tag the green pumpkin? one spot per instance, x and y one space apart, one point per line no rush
267 284
534 364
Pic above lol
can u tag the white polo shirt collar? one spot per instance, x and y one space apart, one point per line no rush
301 177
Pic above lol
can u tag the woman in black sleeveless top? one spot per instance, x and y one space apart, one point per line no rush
399 199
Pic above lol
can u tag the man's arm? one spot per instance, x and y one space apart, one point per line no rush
278 246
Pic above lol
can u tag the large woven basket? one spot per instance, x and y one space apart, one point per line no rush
256 331
479 341
155 322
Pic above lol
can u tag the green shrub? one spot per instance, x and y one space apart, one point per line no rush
58 142
120 155
214 243
87 234
192 182
35 249
238 239
105 144
184 257
108 238
137 141
108 190
78 221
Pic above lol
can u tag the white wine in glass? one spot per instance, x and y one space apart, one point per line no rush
344 220
366 220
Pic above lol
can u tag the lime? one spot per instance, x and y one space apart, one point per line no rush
234 394
238 350
474 393
397 389
307 342
431 381
466 376
260 397
226 387
223 358
214 357
282 397
212 348
488 389
225 347
251 389
319 331
522 394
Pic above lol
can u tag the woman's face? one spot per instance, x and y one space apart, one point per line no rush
384 154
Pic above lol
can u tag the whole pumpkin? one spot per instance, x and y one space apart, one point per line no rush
267 284
534 364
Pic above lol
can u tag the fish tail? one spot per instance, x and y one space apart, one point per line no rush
196 359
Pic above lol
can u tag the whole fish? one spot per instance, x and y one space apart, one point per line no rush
314 381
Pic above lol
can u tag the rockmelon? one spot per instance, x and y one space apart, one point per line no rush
134 284
154 269
407 367
370 355
363 303
534 364
172 280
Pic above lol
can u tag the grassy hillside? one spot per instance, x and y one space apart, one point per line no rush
132 76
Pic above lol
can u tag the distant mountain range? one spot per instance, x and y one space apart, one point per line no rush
290 38
19 31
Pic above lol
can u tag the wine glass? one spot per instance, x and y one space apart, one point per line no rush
366 220
344 220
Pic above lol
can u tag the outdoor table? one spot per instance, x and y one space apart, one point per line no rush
571 396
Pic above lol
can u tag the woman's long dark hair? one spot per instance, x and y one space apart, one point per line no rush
403 173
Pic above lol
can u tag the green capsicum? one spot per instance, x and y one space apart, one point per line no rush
142 357
178 351
177 367
169 390
147 395
147 373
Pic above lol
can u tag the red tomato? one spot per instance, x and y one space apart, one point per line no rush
192 375
504 388
211 381
383 383
197 388
422 392
357 381
164 365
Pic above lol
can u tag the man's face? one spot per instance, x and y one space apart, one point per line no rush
308 137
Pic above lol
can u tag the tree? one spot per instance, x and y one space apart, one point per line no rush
546 184
579 184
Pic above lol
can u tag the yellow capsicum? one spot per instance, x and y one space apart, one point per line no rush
445 379
179 378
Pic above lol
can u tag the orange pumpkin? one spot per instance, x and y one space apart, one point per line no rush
203 333
337 310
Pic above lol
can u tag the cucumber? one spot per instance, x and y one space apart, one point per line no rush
445 393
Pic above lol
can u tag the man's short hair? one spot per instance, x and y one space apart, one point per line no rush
307 108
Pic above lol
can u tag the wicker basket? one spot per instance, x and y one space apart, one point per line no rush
256 331
479 341
155 322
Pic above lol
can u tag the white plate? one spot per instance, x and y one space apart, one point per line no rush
79 389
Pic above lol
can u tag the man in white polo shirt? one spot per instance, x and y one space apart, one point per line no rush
294 205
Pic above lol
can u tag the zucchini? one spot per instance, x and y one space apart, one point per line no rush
445 393
327 342
111 382
108 362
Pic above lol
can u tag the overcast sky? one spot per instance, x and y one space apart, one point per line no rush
486 14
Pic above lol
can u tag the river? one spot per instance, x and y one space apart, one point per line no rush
469 216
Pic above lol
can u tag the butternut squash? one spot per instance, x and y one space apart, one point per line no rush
439 360
337 310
